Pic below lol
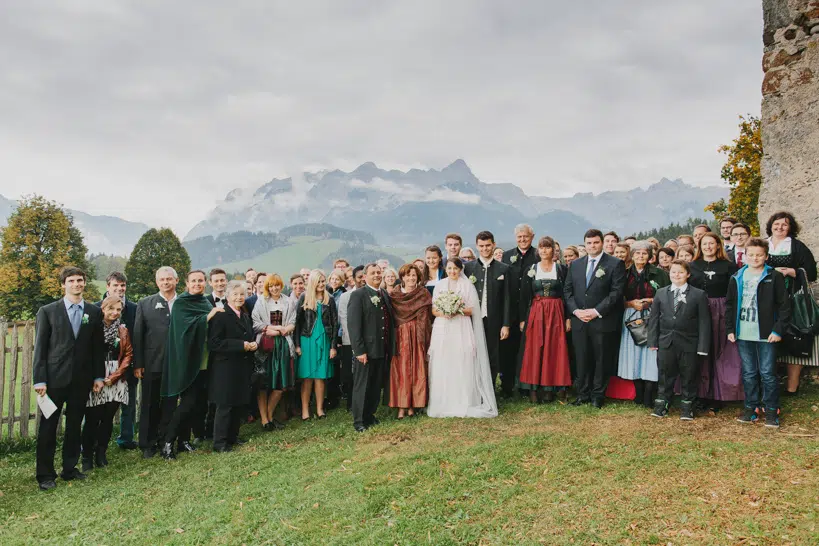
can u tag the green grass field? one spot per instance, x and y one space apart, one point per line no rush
546 474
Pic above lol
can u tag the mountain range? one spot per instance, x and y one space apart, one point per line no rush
422 205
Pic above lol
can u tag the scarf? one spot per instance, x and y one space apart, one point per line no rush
111 333
414 306
187 339
639 284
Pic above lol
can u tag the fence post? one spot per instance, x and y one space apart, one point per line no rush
25 386
4 331
13 378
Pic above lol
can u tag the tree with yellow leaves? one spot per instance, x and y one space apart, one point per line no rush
39 240
742 172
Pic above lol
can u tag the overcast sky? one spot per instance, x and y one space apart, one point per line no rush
154 110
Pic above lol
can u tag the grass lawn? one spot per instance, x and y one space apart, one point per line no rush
546 474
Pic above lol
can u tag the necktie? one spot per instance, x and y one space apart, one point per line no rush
677 300
739 258
590 271
75 317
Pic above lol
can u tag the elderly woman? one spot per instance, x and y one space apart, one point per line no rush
412 305
274 321
720 371
467 255
315 341
787 254
102 406
434 259
637 362
664 258
685 253
622 251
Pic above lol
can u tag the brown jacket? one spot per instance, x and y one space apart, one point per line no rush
126 355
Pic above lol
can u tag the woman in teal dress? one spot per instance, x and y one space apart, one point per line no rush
315 341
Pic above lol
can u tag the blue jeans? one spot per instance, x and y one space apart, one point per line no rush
127 416
759 362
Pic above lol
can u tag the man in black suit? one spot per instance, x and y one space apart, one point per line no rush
491 279
68 363
370 321
116 284
519 259
680 327
150 339
594 294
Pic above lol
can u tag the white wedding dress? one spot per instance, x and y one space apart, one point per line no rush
460 380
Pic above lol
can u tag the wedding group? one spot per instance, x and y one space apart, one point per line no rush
706 316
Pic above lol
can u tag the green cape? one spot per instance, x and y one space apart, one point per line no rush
187 340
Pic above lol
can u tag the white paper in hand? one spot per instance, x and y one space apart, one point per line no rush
47 405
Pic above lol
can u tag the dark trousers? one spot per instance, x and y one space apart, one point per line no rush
127 418
226 423
96 432
674 362
509 348
645 392
367 379
203 415
593 352
346 374
150 413
180 416
73 398
333 393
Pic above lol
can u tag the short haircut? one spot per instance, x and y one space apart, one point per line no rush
592 233
167 270
236 285
116 276
613 234
188 276
667 251
259 275
369 265
249 269
525 228
465 250
436 249
572 249
216 271
272 280
706 226
683 264
630 238
356 269
689 238
546 242
109 301
642 245
340 260
407 268
454 236
71 271
485 236
741 226
295 276
728 219
756 241
456 262
794 228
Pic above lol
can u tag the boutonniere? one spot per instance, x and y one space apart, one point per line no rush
500 278
159 305
654 284
473 279
600 273
85 318
682 298
513 259
531 273
376 301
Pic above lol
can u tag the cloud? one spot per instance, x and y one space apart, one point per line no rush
155 110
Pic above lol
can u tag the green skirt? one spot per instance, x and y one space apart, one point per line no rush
314 362
279 367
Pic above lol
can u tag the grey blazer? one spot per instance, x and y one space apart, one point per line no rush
151 333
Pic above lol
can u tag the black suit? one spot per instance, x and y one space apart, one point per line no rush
150 340
679 334
498 307
371 333
594 340
519 263
68 367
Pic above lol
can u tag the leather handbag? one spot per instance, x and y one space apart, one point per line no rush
804 323
638 328
268 343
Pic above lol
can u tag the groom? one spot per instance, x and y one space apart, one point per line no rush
491 280
370 322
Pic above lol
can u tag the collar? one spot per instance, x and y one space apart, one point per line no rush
683 288
166 299
521 252
68 304
485 262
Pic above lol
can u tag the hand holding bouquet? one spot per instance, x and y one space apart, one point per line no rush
449 304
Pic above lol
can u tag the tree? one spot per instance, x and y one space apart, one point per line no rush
671 231
742 172
155 249
39 240
105 264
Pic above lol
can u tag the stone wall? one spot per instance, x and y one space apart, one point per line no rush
790 114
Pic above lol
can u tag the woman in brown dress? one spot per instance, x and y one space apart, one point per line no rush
412 305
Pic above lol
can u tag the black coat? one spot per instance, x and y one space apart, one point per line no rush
59 358
802 258
306 319
368 332
150 337
688 329
230 365
519 264
773 304
604 293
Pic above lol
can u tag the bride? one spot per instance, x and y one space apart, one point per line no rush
460 381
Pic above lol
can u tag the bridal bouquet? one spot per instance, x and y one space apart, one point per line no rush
449 303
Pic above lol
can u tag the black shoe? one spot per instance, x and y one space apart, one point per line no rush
238 442
268 426
360 428
167 451
581 401
47 485
87 464
322 416
128 445
660 408
148 453
276 425
597 403
687 411
222 449
786 392
101 459
185 447
73 474
374 422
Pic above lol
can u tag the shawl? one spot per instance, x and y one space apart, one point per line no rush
414 306
187 339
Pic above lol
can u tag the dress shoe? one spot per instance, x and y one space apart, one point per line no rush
322 416
47 485
374 422
268 426
148 453
87 464
597 403
222 449
167 451
360 428
580 401
101 459
238 442
127 445
185 447
73 474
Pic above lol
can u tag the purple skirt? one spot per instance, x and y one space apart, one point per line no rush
721 370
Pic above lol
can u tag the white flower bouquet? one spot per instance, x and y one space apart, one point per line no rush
449 303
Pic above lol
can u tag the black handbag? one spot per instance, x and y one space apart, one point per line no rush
638 328
259 374
804 323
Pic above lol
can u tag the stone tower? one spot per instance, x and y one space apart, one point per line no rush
790 114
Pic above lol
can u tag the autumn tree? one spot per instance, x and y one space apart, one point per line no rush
743 174
156 248
39 240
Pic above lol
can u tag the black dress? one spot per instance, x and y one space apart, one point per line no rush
230 364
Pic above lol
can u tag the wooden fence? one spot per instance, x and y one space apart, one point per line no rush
17 403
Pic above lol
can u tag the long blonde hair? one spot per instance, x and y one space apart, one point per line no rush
310 300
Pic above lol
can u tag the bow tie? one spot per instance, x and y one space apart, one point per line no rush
217 300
